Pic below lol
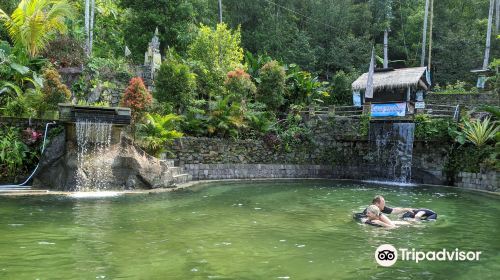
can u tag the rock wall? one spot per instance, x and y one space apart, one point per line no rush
337 149
479 181
466 100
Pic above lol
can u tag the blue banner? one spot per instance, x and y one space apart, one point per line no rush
388 110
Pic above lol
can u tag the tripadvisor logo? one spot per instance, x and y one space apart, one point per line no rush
387 255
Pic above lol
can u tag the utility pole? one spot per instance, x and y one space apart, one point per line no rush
430 35
424 34
220 11
488 36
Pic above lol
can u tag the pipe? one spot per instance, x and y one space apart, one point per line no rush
43 149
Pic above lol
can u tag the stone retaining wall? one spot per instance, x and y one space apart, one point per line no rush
23 123
466 100
479 181
336 146
256 171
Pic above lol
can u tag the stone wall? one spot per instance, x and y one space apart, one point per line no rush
23 123
479 181
466 100
336 150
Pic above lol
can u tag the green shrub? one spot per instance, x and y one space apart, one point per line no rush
341 93
427 128
13 152
175 84
225 118
271 90
239 85
459 87
157 131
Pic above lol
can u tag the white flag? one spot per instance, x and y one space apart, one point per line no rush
369 82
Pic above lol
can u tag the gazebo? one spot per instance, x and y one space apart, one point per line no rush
396 92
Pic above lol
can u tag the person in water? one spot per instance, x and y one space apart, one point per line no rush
379 201
420 214
374 217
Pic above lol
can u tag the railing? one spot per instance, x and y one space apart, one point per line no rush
339 111
442 111
433 110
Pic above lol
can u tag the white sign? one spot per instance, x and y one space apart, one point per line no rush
388 110
420 105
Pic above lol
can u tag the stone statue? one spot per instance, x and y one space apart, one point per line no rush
152 59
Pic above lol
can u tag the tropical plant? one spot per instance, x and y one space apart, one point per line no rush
175 84
271 90
157 131
35 22
254 63
303 88
480 132
225 118
12 152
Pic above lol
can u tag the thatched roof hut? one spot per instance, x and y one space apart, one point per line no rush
394 79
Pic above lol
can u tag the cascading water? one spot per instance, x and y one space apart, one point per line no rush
391 147
94 162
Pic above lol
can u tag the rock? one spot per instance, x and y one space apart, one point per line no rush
131 168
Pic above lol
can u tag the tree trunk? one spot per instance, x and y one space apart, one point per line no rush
386 52
497 18
488 36
220 11
424 34
87 26
91 33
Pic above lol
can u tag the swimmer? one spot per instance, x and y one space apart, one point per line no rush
379 201
373 217
420 214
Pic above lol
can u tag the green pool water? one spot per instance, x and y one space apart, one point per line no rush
250 230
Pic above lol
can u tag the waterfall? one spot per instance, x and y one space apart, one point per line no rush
391 148
93 160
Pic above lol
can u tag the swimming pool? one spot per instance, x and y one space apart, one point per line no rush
244 230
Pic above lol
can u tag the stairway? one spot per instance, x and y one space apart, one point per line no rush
174 174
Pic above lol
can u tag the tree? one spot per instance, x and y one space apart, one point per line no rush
175 84
138 99
35 22
271 89
214 53
177 22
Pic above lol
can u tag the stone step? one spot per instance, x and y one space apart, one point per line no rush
172 171
167 162
181 179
